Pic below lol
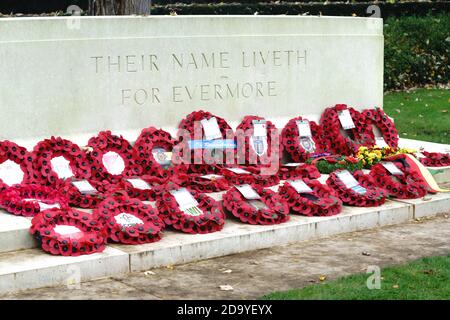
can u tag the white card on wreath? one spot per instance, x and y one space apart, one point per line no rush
347 178
44 206
248 192
127 220
184 199
11 173
304 129
392 168
346 120
84 187
211 129
138 183
238 170
292 164
68 231
259 128
211 176
300 186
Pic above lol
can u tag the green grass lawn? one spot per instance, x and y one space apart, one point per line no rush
426 278
421 114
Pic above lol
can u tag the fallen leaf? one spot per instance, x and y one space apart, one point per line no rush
395 286
226 287
444 111
429 271
365 253
254 262
170 267
398 110
322 278
149 273
227 271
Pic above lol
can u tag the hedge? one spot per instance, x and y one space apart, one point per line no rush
416 51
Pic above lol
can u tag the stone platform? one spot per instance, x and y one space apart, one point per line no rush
23 266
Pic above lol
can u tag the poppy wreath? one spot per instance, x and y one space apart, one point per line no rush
378 118
321 202
253 178
410 185
211 219
291 142
276 211
145 225
301 171
243 133
78 199
91 237
198 183
156 187
149 139
362 134
22 200
106 142
435 159
203 162
13 152
374 196
48 149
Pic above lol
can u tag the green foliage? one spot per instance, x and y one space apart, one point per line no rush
416 51
326 167
423 279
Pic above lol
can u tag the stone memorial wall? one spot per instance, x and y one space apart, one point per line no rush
76 76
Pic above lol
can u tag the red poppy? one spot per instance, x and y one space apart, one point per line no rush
376 117
105 145
68 232
290 140
274 209
372 197
45 151
128 220
13 152
210 217
30 199
321 201
361 135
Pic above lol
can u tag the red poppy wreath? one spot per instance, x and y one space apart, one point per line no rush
434 159
300 145
399 180
310 198
16 163
112 157
56 159
249 175
198 126
270 208
129 221
376 117
144 188
298 170
206 183
190 211
365 193
154 148
254 136
29 199
87 193
360 135
68 232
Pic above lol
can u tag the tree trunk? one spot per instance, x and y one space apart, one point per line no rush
119 7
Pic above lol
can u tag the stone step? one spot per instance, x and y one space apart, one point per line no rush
14 233
176 248
32 268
